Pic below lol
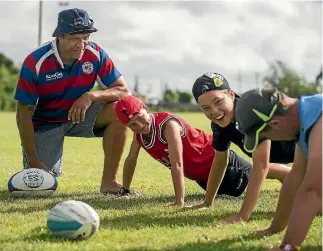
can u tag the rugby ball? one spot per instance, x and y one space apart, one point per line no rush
32 182
73 220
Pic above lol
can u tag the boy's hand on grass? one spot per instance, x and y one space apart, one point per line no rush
233 219
201 206
266 232
176 204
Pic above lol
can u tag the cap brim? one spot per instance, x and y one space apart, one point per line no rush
84 31
251 140
56 32
59 31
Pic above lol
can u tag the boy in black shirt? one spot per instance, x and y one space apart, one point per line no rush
217 100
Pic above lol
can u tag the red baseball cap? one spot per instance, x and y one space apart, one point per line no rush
127 107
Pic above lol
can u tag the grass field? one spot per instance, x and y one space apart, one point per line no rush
138 224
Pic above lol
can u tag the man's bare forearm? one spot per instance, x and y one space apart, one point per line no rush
289 189
26 130
109 95
306 206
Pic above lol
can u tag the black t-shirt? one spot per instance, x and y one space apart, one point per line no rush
281 151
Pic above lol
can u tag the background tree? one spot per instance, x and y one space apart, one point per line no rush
184 97
319 76
8 80
280 76
169 96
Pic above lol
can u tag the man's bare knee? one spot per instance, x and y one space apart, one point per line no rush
118 126
107 115
115 130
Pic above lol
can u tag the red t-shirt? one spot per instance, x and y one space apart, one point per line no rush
198 152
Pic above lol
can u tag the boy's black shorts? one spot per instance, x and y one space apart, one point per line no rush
236 177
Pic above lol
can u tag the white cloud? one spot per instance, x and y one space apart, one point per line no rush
178 41
284 8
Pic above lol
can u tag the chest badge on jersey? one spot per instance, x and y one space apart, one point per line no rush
87 67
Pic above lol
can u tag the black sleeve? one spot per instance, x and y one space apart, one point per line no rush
221 139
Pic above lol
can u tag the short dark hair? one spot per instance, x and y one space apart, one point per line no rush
282 108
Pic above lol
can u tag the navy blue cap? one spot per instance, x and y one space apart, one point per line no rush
209 81
74 21
253 111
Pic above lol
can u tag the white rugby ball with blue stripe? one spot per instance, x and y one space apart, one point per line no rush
73 220
32 182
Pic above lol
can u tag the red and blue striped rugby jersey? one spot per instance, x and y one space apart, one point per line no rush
53 88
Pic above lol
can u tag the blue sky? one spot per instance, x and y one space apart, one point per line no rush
175 42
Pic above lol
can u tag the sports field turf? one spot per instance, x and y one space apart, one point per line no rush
137 224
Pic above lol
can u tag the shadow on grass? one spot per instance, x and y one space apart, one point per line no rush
96 200
43 234
232 244
247 242
40 234
171 219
